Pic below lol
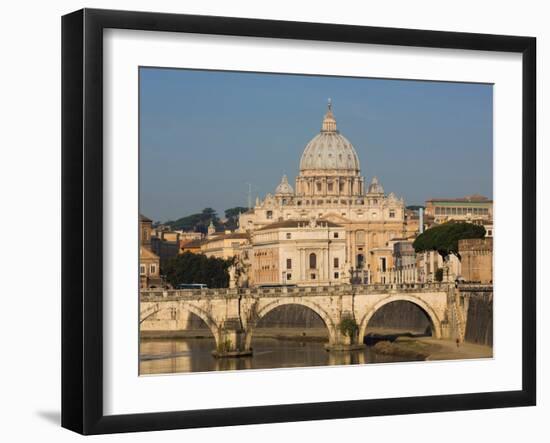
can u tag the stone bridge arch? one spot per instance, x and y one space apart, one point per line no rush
205 317
155 307
425 307
262 311
148 310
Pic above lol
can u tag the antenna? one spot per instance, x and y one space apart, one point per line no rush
249 195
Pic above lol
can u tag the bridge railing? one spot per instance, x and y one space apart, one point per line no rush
151 294
475 287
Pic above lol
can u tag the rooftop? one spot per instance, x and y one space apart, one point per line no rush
192 243
222 236
299 223
474 198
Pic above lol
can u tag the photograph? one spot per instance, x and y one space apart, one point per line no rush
275 221
291 220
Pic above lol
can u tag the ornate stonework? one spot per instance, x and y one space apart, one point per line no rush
330 187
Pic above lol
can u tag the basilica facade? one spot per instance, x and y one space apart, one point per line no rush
329 196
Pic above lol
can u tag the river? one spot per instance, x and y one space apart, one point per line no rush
173 355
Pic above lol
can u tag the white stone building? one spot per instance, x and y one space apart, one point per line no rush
330 187
300 252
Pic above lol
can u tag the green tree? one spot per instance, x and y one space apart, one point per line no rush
196 222
348 327
232 216
197 268
444 238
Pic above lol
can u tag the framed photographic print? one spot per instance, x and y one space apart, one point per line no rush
269 221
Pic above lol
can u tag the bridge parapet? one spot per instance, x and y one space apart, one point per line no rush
474 287
293 291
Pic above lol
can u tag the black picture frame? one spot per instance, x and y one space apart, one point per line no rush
82 218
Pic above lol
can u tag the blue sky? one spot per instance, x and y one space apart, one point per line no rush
204 135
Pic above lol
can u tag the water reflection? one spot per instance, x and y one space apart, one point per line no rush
165 356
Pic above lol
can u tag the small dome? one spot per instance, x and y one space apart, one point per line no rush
284 187
375 187
329 149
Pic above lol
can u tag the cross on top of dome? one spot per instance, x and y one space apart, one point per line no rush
329 122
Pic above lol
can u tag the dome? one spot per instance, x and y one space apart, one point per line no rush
375 187
284 187
329 150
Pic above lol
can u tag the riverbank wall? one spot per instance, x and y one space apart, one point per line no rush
479 318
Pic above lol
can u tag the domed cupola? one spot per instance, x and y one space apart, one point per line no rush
329 150
284 187
375 187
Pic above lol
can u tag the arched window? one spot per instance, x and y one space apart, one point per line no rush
360 261
312 261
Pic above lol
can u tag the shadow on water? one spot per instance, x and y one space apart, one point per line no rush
195 355
372 338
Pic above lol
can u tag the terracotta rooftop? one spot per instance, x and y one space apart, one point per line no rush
222 235
192 243
147 253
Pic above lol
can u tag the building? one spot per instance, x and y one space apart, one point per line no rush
189 235
190 241
224 245
166 244
477 259
330 187
471 208
149 262
300 252
149 269
193 246
405 261
145 231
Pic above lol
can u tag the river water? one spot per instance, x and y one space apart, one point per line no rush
173 355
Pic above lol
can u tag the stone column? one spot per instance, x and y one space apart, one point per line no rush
352 249
425 267
349 250
324 264
320 261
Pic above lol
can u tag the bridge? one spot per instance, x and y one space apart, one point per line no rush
232 315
